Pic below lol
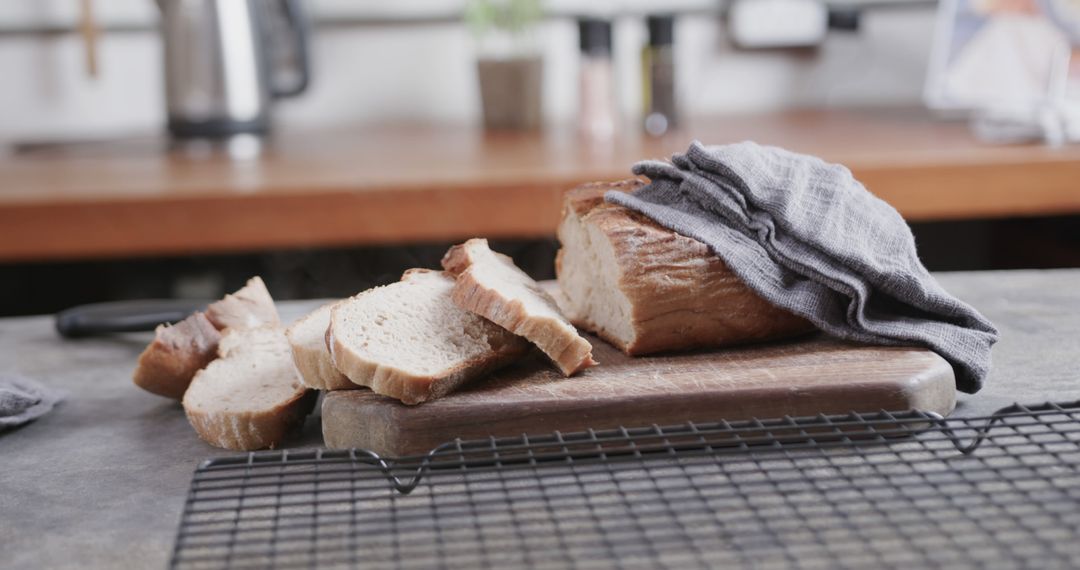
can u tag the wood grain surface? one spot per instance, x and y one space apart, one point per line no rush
800 377
372 185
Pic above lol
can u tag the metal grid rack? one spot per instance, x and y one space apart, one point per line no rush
859 490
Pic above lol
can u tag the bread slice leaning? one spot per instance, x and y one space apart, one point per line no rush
247 308
167 365
307 339
177 352
647 289
408 340
250 397
490 285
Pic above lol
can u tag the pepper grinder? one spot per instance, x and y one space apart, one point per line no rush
658 63
597 108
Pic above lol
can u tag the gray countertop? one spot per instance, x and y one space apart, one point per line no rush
101 481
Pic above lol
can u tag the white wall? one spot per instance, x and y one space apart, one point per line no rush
426 73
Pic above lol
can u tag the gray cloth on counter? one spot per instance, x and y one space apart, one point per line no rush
808 237
23 400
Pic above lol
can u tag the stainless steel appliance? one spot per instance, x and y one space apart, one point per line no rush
227 60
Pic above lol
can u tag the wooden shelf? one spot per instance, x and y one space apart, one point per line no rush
411 184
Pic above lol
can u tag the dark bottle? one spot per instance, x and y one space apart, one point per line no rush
658 64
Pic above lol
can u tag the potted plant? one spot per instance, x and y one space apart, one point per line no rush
509 63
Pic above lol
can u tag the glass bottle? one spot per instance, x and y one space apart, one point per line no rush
597 111
658 63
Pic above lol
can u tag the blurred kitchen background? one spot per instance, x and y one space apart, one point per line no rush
415 131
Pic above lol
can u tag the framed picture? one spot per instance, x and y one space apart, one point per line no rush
1005 54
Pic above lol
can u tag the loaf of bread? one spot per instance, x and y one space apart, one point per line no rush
408 340
250 397
490 285
311 355
177 352
647 289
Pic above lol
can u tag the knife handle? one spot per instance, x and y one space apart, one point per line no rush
123 316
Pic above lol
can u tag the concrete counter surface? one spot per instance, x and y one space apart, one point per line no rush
101 481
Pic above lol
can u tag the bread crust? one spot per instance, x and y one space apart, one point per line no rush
167 365
315 365
249 307
415 389
567 349
682 296
249 431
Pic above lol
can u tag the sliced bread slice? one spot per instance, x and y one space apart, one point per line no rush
167 365
307 338
247 308
249 397
177 352
490 285
408 340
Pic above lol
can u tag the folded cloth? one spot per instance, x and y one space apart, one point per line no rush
808 237
23 400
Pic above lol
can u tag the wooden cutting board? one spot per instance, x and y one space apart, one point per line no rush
803 377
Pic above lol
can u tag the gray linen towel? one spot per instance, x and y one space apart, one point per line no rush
23 400
806 236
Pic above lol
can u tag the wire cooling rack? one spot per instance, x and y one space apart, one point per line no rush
860 490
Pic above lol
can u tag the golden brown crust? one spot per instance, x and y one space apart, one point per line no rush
249 307
318 372
252 430
570 352
567 349
313 364
682 295
456 260
590 195
177 352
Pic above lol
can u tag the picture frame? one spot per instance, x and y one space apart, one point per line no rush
1004 54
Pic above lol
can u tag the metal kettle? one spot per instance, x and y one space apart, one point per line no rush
227 60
